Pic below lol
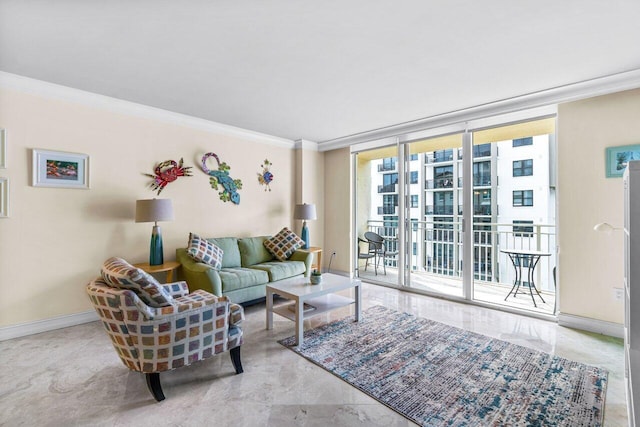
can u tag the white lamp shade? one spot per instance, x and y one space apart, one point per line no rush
305 212
153 210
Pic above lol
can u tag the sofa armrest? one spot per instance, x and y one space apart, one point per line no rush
198 275
176 289
236 314
304 256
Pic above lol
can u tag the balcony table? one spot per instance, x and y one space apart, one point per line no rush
529 259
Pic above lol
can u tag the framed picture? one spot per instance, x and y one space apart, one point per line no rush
3 148
617 158
60 169
4 197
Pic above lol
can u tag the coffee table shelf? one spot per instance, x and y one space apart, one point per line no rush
322 305
322 296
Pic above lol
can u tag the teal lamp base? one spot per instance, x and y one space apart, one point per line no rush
156 254
305 235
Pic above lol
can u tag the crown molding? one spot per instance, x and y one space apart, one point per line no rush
567 93
115 105
303 144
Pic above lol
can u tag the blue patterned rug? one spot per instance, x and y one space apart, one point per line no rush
438 375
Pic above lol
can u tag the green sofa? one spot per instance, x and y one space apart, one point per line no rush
247 268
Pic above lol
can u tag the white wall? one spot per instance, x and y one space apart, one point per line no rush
591 264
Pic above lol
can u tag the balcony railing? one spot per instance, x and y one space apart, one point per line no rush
387 210
439 249
389 188
385 167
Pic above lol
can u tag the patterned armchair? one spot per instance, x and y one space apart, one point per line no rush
156 328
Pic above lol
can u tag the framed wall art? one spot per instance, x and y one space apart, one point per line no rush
4 197
3 148
60 169
617 158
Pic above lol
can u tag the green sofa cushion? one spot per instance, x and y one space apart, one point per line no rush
252 250
238 278
279 270
229 245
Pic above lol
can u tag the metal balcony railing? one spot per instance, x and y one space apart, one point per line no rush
387 210
389 188
439 251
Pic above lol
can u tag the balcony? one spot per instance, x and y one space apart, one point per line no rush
389 188
387 210
386 167
437 260
482 210
481 181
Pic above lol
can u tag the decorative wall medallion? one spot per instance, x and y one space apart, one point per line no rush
166 172
265 177
221 177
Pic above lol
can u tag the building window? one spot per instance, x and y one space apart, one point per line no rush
519 142
482 150
520 230
443 155
414 200
413 177
413 157
523 198
388 164
482 174
443 203
443 177
482 202
523 167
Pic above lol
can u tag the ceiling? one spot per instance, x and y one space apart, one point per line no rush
317 70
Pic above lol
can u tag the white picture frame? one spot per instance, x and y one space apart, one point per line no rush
60 169
4 197
3 148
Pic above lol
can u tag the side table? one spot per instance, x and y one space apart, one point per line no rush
168 267
316 264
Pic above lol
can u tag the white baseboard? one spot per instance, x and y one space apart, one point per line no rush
45 325
591 325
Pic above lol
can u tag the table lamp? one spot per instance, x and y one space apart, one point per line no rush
154 210
305 212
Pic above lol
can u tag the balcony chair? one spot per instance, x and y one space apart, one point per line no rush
156 328
377 248
366 255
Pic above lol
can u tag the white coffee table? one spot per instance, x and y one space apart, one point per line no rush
322 297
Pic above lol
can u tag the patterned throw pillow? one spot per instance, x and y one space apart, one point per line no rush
203 250
283 244
122 275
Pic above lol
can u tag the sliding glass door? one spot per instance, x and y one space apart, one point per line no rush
434 231
377 211
448 212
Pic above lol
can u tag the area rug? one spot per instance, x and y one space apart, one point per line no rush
439 375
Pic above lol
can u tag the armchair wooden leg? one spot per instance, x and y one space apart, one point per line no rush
153 383
235 359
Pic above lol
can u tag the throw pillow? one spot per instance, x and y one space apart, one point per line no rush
283 244
122 275
204 251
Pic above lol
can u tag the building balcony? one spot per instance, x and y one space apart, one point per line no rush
389 188
436 261
387 167
387 210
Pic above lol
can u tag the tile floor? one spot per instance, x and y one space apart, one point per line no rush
72 376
